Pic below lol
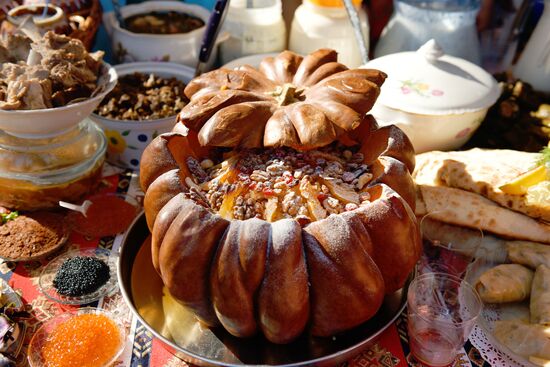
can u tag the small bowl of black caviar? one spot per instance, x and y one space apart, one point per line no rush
80 276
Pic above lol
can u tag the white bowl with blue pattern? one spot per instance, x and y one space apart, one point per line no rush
128 138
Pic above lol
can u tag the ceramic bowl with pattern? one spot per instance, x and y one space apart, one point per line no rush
128 138
437 100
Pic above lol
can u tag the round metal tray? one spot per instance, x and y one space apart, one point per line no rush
187 339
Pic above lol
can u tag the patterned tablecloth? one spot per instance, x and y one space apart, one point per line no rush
142 349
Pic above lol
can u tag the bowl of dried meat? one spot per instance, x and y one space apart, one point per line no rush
48 84
144 104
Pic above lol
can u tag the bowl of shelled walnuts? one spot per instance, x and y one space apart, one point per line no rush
143 105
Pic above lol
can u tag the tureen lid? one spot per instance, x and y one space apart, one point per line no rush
427 81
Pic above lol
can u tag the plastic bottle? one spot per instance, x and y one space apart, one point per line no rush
325 24
452 23
533 65
256 27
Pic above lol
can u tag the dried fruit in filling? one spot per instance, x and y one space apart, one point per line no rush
282 183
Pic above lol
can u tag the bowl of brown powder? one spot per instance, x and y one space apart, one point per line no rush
32 236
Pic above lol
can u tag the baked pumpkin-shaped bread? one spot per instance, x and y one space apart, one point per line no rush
308 230
290 101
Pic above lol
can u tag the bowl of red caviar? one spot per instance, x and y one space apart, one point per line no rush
88 337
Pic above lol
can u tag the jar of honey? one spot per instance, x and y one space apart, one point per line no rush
37 172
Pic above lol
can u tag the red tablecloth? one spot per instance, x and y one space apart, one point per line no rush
144 350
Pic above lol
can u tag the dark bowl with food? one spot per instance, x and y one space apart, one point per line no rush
160 31
143 104
170 22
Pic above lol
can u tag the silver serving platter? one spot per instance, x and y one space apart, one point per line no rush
190 341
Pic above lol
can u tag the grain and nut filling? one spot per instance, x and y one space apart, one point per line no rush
281 183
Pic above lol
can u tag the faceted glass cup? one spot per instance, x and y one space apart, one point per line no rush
442 309
447 248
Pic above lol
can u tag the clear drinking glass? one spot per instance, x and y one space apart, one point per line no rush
442 309
447 248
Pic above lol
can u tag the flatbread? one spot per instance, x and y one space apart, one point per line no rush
482 172
464 208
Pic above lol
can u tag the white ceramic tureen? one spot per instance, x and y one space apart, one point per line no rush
436 99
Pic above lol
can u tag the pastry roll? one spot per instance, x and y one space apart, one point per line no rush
527 340
540 296
539 361
505 283
530 254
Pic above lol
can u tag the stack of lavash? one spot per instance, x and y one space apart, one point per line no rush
462 188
